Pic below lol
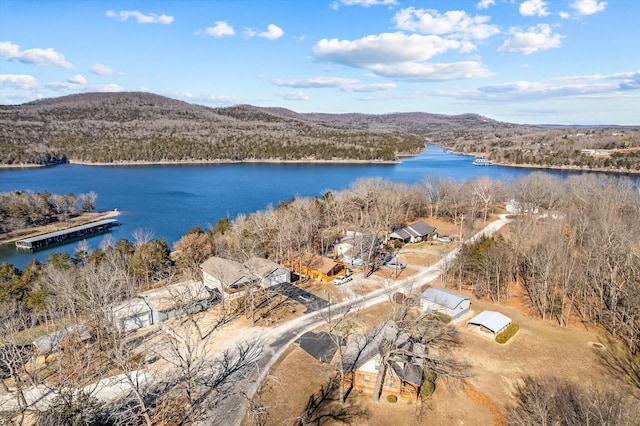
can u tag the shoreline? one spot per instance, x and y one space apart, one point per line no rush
214 162
541 167
311 161
82 219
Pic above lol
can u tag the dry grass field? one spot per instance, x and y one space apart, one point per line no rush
539 348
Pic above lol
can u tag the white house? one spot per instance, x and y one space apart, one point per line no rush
173 300
130 314
268 272
416 232
436 299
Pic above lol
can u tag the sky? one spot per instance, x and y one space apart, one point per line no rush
520 61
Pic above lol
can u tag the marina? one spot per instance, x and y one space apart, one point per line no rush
57 237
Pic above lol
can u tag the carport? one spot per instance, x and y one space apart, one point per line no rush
490 321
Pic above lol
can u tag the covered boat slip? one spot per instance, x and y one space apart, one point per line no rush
66 234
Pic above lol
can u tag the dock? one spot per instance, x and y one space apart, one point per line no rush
58 237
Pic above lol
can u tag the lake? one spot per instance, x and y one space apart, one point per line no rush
171 199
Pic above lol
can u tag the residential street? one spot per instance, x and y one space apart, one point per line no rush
274 340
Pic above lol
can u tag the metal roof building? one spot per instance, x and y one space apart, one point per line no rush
493 321
436 299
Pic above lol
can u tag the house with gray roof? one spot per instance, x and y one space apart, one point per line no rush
268 272
419 231
436 299
362 358
226 276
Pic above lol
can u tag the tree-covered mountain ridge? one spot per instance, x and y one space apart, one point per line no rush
139 127
144 127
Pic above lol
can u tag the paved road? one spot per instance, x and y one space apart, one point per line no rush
232 410
277 339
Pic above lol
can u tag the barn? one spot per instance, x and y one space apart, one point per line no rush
436 299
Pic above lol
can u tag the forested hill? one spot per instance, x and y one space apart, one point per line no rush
123 127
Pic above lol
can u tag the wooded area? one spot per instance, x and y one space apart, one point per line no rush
142 127
574 246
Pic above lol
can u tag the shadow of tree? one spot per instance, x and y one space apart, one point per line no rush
621 362
325 405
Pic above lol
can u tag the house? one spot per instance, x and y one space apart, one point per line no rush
130 314
175 299
436 299
316 266
490 321
268 272
357 248
51 342
419 231
226 276
362 362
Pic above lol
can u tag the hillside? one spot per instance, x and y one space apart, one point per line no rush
143 127
123 127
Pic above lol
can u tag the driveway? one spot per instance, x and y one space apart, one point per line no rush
293 292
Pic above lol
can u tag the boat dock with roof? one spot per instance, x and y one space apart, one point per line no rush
66 234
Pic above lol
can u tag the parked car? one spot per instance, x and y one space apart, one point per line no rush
341 280
445 239
395 263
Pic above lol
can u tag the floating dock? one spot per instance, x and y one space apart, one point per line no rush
67 234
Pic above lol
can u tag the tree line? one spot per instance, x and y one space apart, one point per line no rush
573 249
25 209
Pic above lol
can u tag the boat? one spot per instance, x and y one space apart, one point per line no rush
481 161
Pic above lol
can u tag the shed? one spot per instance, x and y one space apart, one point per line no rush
130 315
269 272
51 342
493 321
173 300
436 299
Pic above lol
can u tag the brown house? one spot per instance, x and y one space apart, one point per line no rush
404 374
316 266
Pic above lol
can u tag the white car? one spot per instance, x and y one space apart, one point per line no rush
445 239
341 280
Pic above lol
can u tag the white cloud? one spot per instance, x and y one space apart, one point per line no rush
220 29
141 18
273 32
295 95
77 79
455 23
315 82
369 88
21 81
428 72
535 38
484 4
565 15
386 48
344 84
101 69
533 8
40 57
588 7
367 3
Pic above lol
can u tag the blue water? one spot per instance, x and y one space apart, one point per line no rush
171 199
